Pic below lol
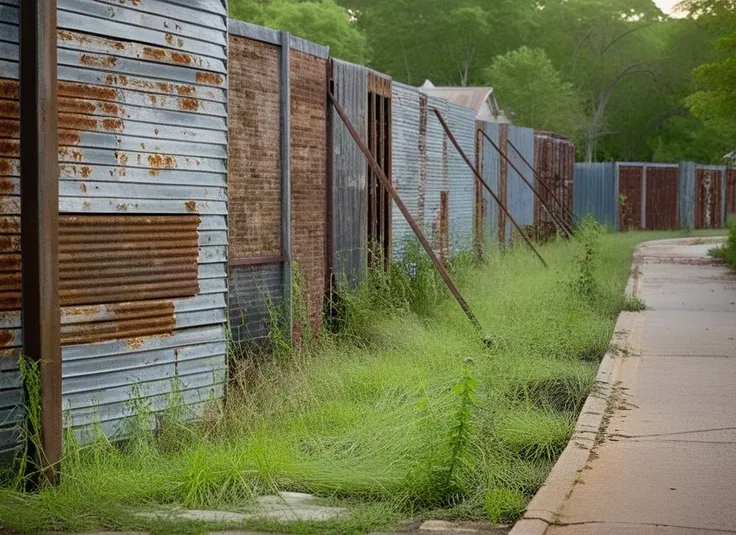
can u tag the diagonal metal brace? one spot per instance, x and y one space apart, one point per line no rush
405 212
485 184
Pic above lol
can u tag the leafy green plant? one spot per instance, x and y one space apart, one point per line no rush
727 252
587 235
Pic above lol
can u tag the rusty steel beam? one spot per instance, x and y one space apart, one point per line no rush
405 212
558 222
40 218
485 184
567 211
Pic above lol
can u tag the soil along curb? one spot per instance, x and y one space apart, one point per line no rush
546 505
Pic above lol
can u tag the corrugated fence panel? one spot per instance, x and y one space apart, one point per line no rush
349 170
11 413
491 170
709 196
554 161
596 193
686 195
462 180
661 197
406 160
255 293
730 192
437 190
630 183
143 130
520 196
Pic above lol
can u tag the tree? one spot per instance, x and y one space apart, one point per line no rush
533 94
715 102
447 41
320 21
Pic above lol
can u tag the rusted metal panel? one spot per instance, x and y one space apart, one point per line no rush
597 193
730 192
709 196
630 181
554 161
11 413
661 197
143 185
349 175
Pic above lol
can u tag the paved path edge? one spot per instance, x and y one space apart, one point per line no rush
546 505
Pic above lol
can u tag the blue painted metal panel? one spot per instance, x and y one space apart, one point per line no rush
490 162
520 200
462 179
596 192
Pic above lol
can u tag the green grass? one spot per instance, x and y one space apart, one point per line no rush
727 252
388 417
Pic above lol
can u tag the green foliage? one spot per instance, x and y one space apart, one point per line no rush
504 505
587 235
320 21
728 251
533 92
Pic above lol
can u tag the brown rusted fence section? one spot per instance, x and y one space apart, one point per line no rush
554 170
731 192
661 197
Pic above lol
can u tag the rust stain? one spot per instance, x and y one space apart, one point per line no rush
76 155
68 138
191 206
10 109
180 43
8 88
9 128
208 78
157 54
122 207
6 338
106 62
121 158
6 186
110 109
188 104
83 187
169 38
78 122
4 167
152 99
185 90
113 124
85 171
180 57
72 105
9 148
161 161
77 90
10 225
86 205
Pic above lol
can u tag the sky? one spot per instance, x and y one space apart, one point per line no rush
666 5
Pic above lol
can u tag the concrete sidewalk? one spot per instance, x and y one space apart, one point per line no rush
665 460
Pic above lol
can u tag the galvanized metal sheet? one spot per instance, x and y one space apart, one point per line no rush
256 294
490 167
349 174
520 199
709 206
596 193
686 195
144 137
407 158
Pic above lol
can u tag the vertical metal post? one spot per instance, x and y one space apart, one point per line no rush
724 195
39 161
644 198
285 98
617 195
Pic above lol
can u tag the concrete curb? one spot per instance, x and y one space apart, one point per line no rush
546 505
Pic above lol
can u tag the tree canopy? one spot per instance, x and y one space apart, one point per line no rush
620 77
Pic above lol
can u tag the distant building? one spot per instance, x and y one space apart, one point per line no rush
479 99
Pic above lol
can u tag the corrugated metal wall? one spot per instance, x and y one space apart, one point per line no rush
434 182
143 162
10 336
489 162
554 161
462 180
520 197
730 192
709 196
349 171
408 168
631 194
596 192
686 195
661 196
